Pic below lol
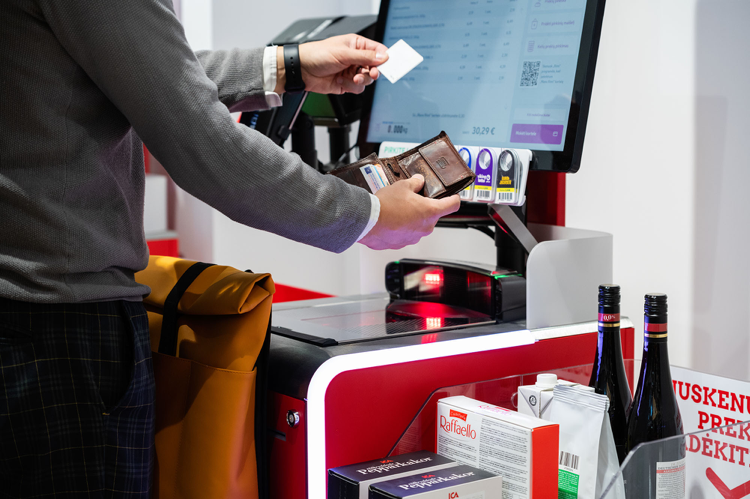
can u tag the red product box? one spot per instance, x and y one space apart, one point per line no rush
522 449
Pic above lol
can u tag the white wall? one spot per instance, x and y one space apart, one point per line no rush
664 169
721 268
197 18
253 23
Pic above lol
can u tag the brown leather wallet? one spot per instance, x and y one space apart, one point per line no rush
445 172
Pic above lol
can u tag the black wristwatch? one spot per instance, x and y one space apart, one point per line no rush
294 83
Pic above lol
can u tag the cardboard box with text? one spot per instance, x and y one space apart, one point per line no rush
523 450
351 482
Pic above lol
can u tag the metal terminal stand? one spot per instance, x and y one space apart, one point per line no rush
512 239
303 139
338 138
562 266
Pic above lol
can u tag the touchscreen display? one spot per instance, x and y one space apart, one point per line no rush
495 73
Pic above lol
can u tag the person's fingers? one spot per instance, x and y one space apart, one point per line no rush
362 79
448 205
374 73
362 51
416 183
349 84
363 43
353 57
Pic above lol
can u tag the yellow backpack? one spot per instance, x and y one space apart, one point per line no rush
210 336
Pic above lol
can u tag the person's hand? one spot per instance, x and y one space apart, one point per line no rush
339 64
405 216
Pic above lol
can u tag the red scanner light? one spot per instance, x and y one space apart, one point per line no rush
434 322
434 278
429 338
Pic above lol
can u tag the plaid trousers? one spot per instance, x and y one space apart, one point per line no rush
76 400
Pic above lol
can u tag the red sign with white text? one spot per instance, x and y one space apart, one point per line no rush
719 459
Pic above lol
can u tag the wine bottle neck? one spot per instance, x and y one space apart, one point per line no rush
609 319
655 369
655 330
655 342
608 342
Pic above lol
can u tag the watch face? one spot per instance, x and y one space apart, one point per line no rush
506 160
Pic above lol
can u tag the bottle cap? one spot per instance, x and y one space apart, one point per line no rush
655 308
609 295
546 380
655 316
655 304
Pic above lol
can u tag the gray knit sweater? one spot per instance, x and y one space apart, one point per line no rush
78 80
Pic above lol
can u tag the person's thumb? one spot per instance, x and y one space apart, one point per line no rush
361 57
416 182
448 205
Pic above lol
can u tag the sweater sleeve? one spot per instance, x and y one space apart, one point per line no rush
238 76
135 51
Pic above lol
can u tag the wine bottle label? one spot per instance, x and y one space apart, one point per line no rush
670 479
654 330
609 320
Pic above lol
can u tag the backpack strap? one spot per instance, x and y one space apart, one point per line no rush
168 337
262 446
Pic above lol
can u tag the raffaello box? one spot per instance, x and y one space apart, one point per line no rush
521 449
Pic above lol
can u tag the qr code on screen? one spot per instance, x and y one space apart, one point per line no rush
530 73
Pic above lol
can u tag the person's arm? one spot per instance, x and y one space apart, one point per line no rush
136 53
239 77
332 66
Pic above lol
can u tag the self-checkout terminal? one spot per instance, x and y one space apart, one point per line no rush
357 378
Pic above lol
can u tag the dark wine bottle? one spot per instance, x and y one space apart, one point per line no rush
608 376
654 414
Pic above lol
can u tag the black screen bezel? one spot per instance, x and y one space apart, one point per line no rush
569 159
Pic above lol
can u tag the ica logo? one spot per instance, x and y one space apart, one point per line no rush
427 476
452 495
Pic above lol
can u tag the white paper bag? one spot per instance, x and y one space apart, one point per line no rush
588 456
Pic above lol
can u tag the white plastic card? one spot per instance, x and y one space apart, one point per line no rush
375 177
401 59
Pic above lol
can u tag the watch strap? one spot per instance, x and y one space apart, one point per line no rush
293 69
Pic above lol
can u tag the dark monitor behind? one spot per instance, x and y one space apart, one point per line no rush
497 73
